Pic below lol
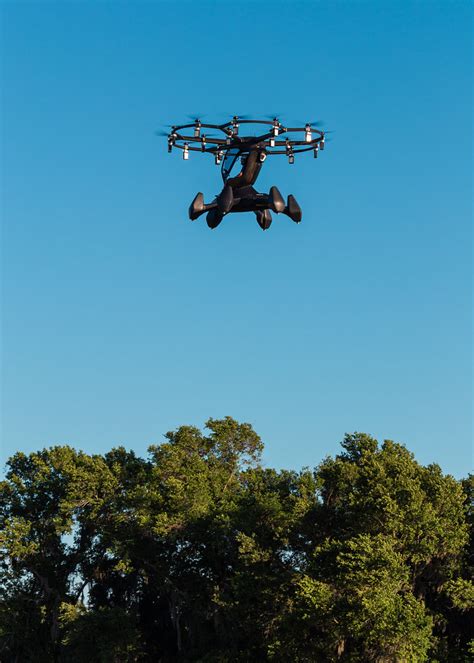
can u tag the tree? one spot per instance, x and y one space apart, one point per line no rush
389 537
199 553
53 503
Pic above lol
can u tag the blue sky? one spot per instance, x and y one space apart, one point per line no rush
123 320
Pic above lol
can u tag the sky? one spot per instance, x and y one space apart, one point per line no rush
122 320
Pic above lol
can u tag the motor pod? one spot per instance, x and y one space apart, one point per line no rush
235 125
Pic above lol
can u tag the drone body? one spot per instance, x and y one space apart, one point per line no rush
238 194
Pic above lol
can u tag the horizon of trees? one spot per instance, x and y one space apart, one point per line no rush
200 553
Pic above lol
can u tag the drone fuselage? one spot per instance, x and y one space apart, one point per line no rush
250 171
238 193
253 155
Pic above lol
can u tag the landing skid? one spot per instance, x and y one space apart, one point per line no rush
245 199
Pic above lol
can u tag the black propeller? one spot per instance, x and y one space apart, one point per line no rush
198 117
228 117
317 124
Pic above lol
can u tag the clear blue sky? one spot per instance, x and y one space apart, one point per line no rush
123 320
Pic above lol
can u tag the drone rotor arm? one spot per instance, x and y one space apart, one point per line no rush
192 148
263 137
273 141
192 139
294 151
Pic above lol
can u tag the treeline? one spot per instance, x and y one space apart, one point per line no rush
199 553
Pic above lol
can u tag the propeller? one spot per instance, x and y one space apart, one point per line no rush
196 117
240 117
224 118
316 124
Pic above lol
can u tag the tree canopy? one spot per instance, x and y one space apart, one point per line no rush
201 553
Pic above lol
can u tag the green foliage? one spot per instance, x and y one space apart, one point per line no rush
198 553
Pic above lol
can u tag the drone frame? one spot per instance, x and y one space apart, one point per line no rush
268 141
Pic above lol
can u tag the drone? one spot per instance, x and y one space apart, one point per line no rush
231 149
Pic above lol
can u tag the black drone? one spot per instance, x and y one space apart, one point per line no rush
238 194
